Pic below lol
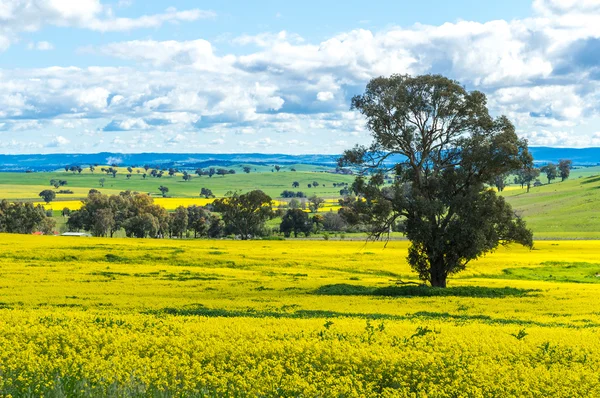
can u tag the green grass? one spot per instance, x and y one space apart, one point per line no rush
556 271
562 209
27 186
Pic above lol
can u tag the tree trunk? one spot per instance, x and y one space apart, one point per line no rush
438 280
437 273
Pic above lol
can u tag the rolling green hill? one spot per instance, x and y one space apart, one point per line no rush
568 209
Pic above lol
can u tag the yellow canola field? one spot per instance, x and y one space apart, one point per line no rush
167 203
128 317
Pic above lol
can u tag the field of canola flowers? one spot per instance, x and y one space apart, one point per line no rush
124 317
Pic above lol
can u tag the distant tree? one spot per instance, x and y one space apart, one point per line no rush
55 183
200 172
146 167
198 220
310 185
48 195
294 204
79 169
334 222
564 167
231 171
102 181
104 222
551 172
526 176
67 168
277 167
315 184
186 176
144 176
178 222
295 221
292 169
130 169
222 172
211 172
206 193
499 181
66 212
164 190
92 168
128 175
246 214
216 228
247 169
172 172
315 203
295 184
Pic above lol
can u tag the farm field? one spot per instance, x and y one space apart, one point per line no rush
130 317
561 210
21 186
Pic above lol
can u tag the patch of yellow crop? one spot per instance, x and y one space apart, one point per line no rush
167 203
141 317
31 192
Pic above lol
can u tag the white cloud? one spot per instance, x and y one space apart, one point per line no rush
41 45
325 96
18 16
58 141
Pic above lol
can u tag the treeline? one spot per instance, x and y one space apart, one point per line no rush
24 218
138 216
242 216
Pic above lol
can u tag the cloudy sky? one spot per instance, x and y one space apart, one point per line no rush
277 77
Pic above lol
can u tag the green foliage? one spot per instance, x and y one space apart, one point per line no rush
344 289
23 218
551 171
245 214
450 148
295 221
564 168
48 195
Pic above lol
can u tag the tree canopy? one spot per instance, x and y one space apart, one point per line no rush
444 148
245 214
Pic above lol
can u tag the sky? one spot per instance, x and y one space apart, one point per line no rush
228 76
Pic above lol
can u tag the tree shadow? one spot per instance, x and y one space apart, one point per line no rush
344 289
590 180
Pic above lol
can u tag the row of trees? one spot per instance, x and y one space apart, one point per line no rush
526 176
139 217
212 171
24 218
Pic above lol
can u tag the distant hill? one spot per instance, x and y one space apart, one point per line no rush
190 160
580 157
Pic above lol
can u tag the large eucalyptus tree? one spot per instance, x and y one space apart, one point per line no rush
443 147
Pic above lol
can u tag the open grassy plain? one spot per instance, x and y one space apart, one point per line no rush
129 317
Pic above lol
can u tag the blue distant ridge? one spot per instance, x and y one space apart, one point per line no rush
33 162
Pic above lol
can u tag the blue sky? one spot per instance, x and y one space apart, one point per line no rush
267 76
